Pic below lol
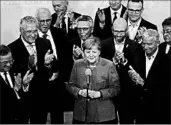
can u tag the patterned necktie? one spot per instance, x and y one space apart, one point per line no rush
115 16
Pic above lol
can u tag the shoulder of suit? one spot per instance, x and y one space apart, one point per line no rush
105 62
148 24
15 43
79 62
107 41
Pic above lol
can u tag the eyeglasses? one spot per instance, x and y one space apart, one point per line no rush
43 21
166 31
84 29
136 11
30 32
115 32
6 62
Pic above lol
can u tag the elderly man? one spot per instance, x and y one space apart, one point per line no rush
63 18
135 21
33 53
151 76
104 18
54 36
165 47
119 49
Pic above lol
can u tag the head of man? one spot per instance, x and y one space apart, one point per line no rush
28 29
119 29
135 9
115 4
60 5
84 26
166 24
91 49
44 18
150 41
6 59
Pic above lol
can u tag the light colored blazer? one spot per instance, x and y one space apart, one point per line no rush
105 79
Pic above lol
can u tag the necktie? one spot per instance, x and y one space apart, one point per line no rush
32 58
115 16
48 41
6 79
64 25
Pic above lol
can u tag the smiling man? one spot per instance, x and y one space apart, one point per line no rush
105 17
135 9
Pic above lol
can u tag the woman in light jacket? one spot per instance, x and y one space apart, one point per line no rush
101 73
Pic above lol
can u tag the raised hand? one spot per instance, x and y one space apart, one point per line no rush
54 76
135 76
49 57
18 81
140 32
27 78
101 15
58 22
77 51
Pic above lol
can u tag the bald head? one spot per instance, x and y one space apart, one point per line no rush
60 5
120 23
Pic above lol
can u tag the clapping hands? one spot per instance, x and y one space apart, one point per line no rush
91 93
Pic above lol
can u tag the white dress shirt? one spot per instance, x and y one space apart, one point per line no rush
167 48
119 46
50 38
31 50
149 62
132 29
10 82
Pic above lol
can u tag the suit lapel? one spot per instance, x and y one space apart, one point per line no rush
22 47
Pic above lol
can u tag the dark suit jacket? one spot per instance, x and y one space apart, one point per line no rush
9 102
155 94
71 32
104 78
107 31
39 82
162 48
146 24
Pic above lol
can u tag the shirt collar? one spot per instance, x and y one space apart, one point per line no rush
137 23
41 34
118 11
25 43
153 56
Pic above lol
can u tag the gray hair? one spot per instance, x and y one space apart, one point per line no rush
86 18
42 10
27 20
151 33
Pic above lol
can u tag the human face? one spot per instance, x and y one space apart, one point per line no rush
59 5
92 55
6 62
44 21
29 33
119 32
84 30
149 45
167 33
115 4
135 10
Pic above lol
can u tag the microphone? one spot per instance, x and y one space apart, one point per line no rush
88 74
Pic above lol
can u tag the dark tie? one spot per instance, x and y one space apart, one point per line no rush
115 16
64 25
47 41
6 79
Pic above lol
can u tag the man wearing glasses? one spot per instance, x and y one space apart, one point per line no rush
54 37
118 49
135 21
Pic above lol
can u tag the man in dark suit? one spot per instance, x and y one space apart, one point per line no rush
165 47
151 74
118 49
33 53
64 18
104 19
135 20
54 36
11 92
